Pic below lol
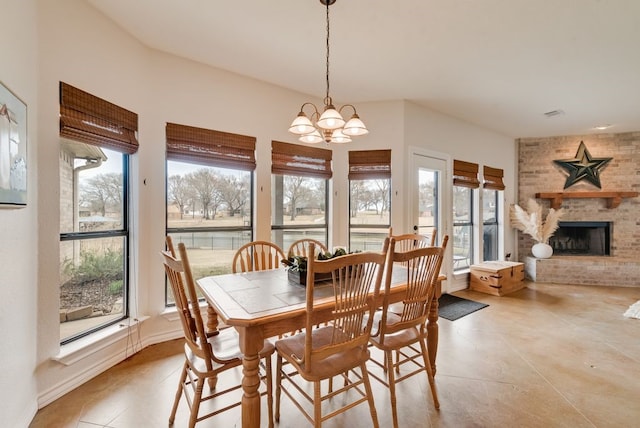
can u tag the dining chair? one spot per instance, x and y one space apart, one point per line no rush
212 316
402 332
207 355
407 242
410 241
257 255
339 348
301 248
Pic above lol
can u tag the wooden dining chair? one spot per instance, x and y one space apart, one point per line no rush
207 355
257 255
403 332
212 316
339 348
301 248
410 241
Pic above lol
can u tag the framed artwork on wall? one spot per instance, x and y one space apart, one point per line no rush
13 150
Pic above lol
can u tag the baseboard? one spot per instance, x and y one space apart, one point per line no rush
124 351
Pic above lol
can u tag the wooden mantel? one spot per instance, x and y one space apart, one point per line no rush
613 198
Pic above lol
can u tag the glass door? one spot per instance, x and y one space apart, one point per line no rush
428 198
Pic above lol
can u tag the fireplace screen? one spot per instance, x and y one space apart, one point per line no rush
582 238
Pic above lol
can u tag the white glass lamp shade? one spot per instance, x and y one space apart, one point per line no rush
355 127
301 125
330 119
311 138
338 137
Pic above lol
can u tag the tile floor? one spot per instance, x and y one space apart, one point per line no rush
549 355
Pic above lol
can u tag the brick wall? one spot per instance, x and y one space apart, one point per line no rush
538 173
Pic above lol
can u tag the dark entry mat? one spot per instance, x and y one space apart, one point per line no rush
453 307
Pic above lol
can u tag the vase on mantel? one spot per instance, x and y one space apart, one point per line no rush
541 250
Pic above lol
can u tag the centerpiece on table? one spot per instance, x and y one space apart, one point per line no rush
297 267
532 222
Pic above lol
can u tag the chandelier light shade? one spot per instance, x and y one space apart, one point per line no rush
328 126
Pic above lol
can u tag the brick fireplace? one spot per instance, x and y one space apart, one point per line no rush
537 173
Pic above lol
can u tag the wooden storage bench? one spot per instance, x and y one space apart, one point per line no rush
497 278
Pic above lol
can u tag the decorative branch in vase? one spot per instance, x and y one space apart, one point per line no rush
531 222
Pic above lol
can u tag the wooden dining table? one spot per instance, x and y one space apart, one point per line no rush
265 304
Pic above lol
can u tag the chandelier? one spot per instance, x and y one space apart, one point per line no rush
328 126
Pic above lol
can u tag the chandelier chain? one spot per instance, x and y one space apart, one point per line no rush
327 99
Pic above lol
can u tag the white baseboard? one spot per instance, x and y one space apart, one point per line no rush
123 351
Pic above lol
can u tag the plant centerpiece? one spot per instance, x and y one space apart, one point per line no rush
532 222
297 266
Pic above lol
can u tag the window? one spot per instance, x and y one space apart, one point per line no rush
465 179
299 193
492 185
369 199
97 138
209 196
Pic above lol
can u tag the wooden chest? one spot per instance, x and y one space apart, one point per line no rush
497 278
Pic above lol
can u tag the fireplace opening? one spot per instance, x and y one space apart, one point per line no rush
582 238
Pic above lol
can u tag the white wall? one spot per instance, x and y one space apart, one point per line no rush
78 45
19 227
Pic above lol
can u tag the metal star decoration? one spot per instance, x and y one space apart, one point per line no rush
583 166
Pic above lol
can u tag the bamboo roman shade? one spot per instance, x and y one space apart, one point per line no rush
294 159
208 147
465 174
92 120
369 164
493 178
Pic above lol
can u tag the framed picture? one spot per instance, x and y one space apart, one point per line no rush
13 149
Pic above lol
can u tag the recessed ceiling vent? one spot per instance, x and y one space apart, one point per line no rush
553 113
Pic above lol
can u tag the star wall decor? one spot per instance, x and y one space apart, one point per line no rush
583 166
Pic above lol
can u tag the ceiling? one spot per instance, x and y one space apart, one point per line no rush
500 64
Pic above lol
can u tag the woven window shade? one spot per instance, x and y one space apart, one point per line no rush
493 178
92 120
465 174
369 164
294 159
208 147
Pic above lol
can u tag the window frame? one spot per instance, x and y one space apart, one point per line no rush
369 165
88 119
209 149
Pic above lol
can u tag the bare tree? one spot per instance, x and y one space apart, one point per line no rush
360 196
179 192
234 192
296 190
102 192
381 195
205 185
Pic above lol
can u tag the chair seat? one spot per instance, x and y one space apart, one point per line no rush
403 338
226 350
291 348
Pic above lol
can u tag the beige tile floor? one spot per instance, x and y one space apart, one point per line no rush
549 355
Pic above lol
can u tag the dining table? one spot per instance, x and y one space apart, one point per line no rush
266 304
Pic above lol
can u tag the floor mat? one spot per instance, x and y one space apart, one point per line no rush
453 307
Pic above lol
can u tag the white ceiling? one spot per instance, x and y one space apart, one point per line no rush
500 64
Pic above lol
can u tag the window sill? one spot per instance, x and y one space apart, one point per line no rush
73 352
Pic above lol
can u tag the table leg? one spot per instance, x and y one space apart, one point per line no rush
250 344
432 327
212 319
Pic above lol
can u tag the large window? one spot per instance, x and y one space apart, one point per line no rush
369 199
491 215
465 180
299 193
209 196
97 138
